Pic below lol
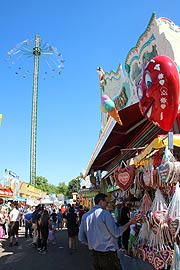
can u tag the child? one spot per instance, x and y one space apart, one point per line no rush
51 236
132 238
60 219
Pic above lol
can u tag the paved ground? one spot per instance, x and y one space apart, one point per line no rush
25 257
129 263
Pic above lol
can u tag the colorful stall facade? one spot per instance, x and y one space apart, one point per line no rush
139 158
12 189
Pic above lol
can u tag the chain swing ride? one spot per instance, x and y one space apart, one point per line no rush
29 49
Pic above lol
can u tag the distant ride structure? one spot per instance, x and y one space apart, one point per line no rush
32 49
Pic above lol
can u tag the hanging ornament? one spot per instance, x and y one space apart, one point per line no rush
159 92
107 105
124 176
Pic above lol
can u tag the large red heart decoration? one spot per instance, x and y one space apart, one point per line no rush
159 92
124 177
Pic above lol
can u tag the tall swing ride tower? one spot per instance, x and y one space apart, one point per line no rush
36 53
53 60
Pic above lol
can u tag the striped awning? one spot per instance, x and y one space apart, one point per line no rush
118 143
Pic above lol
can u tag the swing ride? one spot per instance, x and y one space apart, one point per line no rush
20 60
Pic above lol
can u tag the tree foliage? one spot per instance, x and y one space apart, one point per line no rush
74 185
62 189
67 190
42 183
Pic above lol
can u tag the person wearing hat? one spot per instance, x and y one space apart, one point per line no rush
99 231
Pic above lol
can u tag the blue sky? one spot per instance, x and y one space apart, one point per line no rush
88 34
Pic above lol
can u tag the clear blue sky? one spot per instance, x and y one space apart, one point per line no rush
88 34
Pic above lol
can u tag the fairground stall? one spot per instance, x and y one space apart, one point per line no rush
138 149
12 189
85 197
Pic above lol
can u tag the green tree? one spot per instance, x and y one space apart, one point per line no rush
52 189
42 183
74 185
62 188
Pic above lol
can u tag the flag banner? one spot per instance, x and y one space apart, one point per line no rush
1 118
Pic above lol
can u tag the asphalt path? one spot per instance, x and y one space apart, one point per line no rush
26 257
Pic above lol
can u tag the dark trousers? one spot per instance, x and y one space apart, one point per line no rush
125 238
107 260
14 227
44 239
39 239
28 228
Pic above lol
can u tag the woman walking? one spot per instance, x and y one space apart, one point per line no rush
72 228
44 231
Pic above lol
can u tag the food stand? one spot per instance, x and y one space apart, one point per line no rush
138 154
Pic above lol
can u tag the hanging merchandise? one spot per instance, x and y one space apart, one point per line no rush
145 177
176 175
140 180
174 214
146 204
158 249
124 176
157 158
174 226
166 169
148 175
138 184
176 258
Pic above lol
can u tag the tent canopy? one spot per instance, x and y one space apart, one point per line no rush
119 143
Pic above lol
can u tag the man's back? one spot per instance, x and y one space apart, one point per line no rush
34 216
54 216
14 215
100 229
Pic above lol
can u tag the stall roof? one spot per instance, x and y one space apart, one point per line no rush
122 142
160 142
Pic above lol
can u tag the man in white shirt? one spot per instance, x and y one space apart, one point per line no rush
14 224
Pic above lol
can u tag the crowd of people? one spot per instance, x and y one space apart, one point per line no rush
96 228
40 223
126 242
